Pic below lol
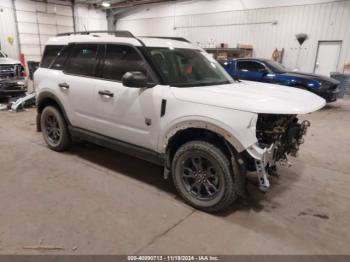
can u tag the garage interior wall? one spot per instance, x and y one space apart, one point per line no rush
264 24
8 29
39 20
89 18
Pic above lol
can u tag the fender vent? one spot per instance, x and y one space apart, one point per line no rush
163 108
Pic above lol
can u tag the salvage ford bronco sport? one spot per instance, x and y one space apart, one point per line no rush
168 102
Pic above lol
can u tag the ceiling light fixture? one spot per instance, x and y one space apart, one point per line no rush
106 4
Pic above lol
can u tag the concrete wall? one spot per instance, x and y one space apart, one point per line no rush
250 22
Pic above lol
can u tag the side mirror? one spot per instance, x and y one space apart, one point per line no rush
134 79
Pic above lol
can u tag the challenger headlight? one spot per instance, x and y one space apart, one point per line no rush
324 86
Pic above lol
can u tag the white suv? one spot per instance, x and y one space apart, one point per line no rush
169 102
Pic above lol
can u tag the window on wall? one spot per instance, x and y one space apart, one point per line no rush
249 66
120 59
50 53
82 60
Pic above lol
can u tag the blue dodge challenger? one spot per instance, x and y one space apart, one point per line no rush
264 70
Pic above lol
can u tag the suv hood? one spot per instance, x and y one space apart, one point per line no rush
253 97
8 61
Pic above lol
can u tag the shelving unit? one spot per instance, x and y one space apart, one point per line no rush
222 54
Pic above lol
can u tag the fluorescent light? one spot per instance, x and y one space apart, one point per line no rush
106 4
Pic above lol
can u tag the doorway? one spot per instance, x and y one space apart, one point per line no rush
327 59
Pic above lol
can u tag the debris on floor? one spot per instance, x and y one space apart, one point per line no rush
318 215
18 103
23 102
44 247
3 107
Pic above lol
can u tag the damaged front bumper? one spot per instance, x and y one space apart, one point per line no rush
265 158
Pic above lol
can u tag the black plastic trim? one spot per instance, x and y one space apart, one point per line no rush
48 95
163 108
118 33
117 145
181 39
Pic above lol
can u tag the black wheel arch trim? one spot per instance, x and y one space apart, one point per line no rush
44 96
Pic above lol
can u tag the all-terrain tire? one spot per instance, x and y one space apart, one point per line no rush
226 193
54 129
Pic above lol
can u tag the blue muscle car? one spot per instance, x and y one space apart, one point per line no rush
264 70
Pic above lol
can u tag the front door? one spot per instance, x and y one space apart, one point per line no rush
128 114
327 58
251 70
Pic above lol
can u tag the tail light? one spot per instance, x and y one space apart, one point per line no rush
23 72
23 62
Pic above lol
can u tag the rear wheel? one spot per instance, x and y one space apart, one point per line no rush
54 129
202 176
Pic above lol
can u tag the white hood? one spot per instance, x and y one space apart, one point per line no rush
253 97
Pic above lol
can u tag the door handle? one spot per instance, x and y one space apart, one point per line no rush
105 93
63 85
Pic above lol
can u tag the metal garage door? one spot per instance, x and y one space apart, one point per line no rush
38 21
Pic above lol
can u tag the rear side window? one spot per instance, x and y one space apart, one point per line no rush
120 59
58 62
50 54
82 60
249 66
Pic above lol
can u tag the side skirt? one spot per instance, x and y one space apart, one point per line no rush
117 145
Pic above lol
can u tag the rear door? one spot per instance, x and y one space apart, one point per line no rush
77 83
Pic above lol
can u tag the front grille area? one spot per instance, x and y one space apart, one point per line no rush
10 71
10 86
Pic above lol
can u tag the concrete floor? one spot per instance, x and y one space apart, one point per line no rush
95 201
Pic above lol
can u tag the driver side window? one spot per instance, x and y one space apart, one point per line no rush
250 66
120 59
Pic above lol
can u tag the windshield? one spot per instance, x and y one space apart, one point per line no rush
188 67
276 67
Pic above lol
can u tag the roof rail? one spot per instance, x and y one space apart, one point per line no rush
170 38
116 33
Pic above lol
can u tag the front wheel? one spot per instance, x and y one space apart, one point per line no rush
54 129
202 176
